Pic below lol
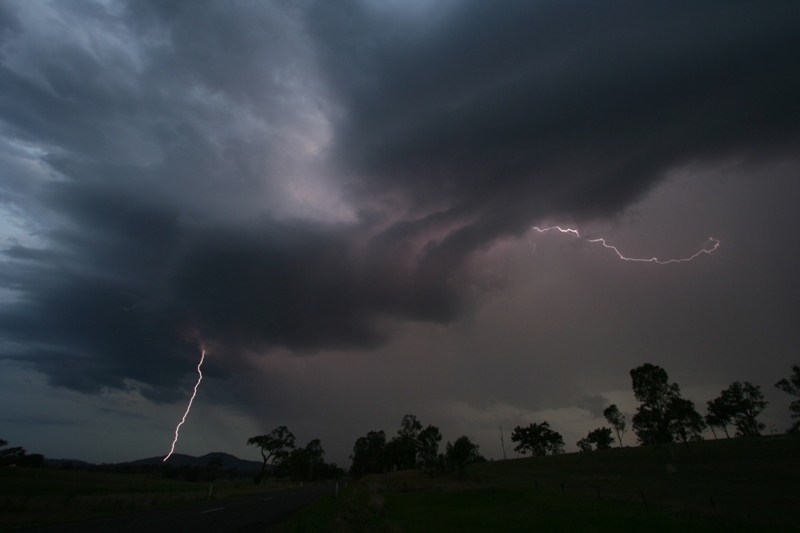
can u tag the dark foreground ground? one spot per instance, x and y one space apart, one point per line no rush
739 484
252 513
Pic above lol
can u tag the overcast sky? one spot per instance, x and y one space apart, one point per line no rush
336 200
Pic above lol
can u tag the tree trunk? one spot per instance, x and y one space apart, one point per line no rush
263 466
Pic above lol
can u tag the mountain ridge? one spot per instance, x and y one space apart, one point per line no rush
180 459
177 460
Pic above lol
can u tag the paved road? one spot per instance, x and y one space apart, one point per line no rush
254 513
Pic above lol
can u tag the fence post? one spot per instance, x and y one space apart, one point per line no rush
643 498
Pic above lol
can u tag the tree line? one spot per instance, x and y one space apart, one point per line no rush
412 447
17 456
289 461
662 417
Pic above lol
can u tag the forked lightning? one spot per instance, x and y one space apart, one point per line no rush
709 247
188 407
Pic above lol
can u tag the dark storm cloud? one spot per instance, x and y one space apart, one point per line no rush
126 287
301 286
176 136
584 103
492 117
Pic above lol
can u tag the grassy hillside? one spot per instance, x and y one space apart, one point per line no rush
736 484
753 479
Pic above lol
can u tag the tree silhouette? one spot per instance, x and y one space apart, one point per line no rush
718 415
599 439
275 446
428 446
13 455
368 454
792 386
617 421
739 404
407 441
651 387
462 452
538 439
304 463
392 455
684 420
315 456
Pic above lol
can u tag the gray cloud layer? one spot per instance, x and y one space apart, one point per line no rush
309 175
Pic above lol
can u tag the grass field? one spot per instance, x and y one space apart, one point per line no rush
38 496
750 480
741 484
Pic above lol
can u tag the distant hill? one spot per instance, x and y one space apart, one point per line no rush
66 463
179 459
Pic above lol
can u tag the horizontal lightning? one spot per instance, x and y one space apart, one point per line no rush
709 247
188 407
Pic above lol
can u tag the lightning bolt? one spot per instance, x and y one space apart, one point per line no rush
188 407
709 247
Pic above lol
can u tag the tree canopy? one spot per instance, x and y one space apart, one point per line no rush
651 387
538 439
617 421
304 463
275 446
597 439
685 422
461 453
406 444
739 404
718 415
428 446
368 454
